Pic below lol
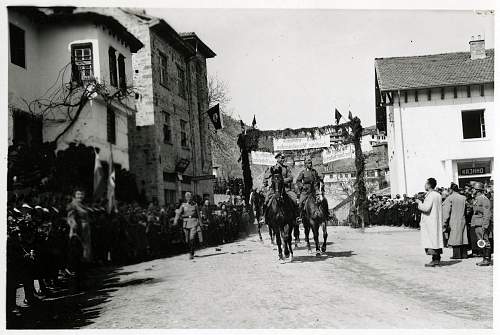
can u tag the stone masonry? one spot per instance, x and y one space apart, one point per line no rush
153 159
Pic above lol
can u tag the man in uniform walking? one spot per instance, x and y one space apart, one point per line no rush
481 221
307 182
191 222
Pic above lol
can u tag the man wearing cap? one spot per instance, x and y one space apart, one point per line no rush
454 218
431 223
191 222
287 179
480 221
307 182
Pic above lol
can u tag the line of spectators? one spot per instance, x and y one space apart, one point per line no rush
46 243
403 211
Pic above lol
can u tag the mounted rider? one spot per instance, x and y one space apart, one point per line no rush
286 172
308 182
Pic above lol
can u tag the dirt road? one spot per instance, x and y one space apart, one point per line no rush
374 279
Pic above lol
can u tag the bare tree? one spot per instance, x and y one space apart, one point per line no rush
69 94
225 151
218 93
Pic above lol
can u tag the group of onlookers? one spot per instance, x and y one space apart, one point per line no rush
465 217
54 238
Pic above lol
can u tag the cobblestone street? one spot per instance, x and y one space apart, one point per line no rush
371 280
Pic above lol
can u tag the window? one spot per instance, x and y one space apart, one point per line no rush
111 126
167 128
81 62
163 69
27 129
473 124
170 196
121 72
17 46
184 137
113 71
181 82
371 173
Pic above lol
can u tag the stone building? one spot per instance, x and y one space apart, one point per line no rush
169 144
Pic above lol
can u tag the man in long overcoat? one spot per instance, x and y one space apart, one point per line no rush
454 218
431 223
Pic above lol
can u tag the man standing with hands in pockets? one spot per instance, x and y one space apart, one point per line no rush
431 223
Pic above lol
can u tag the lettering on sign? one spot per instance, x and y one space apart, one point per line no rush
337 153
301 143
472 171
263 158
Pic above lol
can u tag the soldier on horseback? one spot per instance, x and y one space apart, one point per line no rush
312 205
308 181
285 171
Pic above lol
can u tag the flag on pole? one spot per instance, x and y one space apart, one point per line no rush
111 182
99 185
338 116
215 116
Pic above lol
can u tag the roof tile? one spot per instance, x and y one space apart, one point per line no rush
449 69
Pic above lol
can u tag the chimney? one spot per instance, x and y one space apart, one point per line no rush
477 50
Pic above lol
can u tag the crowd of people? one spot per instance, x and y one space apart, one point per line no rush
54 239
404 211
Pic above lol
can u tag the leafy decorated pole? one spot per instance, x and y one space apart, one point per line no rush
253 139
361 202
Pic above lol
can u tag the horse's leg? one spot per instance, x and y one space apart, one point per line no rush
289 237
315 229
271 232
286 241
278 242
325 236
307 228
296 233
259 227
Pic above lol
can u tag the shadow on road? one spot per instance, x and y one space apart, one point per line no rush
72 309
448 263
210 255
324 257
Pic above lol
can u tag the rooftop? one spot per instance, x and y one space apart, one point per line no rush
196 42
57 15
448 69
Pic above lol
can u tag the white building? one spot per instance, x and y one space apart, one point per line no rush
46 47
438 113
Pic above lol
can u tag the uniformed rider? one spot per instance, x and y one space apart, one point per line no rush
308 182
287 179
191 222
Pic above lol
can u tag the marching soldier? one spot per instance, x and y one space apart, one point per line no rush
287 179
191 222
307 181
480 221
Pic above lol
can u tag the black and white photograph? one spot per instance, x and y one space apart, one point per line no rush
299 165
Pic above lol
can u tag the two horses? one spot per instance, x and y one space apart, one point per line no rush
281 218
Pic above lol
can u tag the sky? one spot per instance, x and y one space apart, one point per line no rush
293 67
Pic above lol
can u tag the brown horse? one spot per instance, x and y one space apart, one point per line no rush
314 218
279 216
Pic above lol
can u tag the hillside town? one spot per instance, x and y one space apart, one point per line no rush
134 189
